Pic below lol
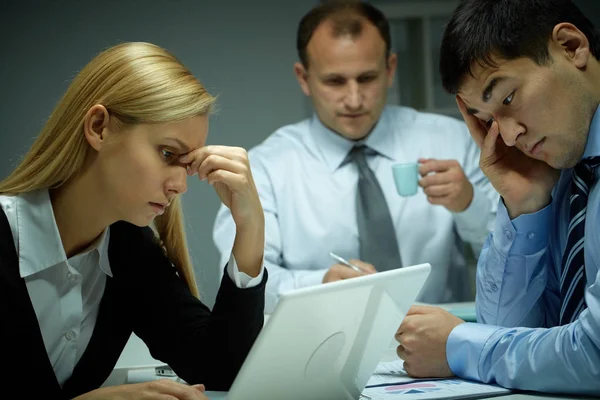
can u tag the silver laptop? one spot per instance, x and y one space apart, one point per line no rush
324 342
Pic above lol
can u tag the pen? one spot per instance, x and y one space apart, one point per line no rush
346 262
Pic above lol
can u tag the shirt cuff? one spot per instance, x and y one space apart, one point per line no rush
478 210
241 279
307 278
525 235
464 347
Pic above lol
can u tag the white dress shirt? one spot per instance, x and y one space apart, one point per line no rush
65 292
308 193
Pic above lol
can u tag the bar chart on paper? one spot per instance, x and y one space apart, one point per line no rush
439 389
390 381
413 388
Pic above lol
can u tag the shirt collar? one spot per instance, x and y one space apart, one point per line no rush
39 243
592 147
334 148
102 248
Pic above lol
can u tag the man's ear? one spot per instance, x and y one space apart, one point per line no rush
302 76
572 43
392 63
94 126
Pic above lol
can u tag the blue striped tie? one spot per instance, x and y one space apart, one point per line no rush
572 281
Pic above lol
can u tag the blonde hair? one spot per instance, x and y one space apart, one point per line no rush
137 83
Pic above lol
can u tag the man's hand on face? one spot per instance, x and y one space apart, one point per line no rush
524 183
422 336
445 183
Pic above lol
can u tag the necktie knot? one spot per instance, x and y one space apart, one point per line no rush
586 169
358 155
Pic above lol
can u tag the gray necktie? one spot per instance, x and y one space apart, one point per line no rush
376 233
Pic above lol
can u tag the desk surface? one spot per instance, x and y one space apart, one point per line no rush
223 396
391 355
136 355
464 311
530 397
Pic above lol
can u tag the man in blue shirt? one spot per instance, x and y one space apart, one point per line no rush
527 78
307 173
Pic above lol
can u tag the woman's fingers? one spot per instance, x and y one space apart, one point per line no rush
211 158
215 163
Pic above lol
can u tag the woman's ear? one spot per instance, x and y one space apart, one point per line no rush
95 126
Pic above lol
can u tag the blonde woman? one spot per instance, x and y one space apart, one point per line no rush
80 266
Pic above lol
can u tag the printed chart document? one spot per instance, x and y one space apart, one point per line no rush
390 381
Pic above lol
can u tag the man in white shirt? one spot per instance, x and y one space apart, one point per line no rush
307 174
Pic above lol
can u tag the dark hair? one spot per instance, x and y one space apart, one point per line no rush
508 29
346 16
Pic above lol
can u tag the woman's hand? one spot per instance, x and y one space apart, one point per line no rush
155 390
227 169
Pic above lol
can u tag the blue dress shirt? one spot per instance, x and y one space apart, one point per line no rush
518 298
308 193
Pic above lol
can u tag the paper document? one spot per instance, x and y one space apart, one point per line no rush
390 381
391 372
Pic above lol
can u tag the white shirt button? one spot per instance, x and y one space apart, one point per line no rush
493 287
73 277
508 234
70 335
530 235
